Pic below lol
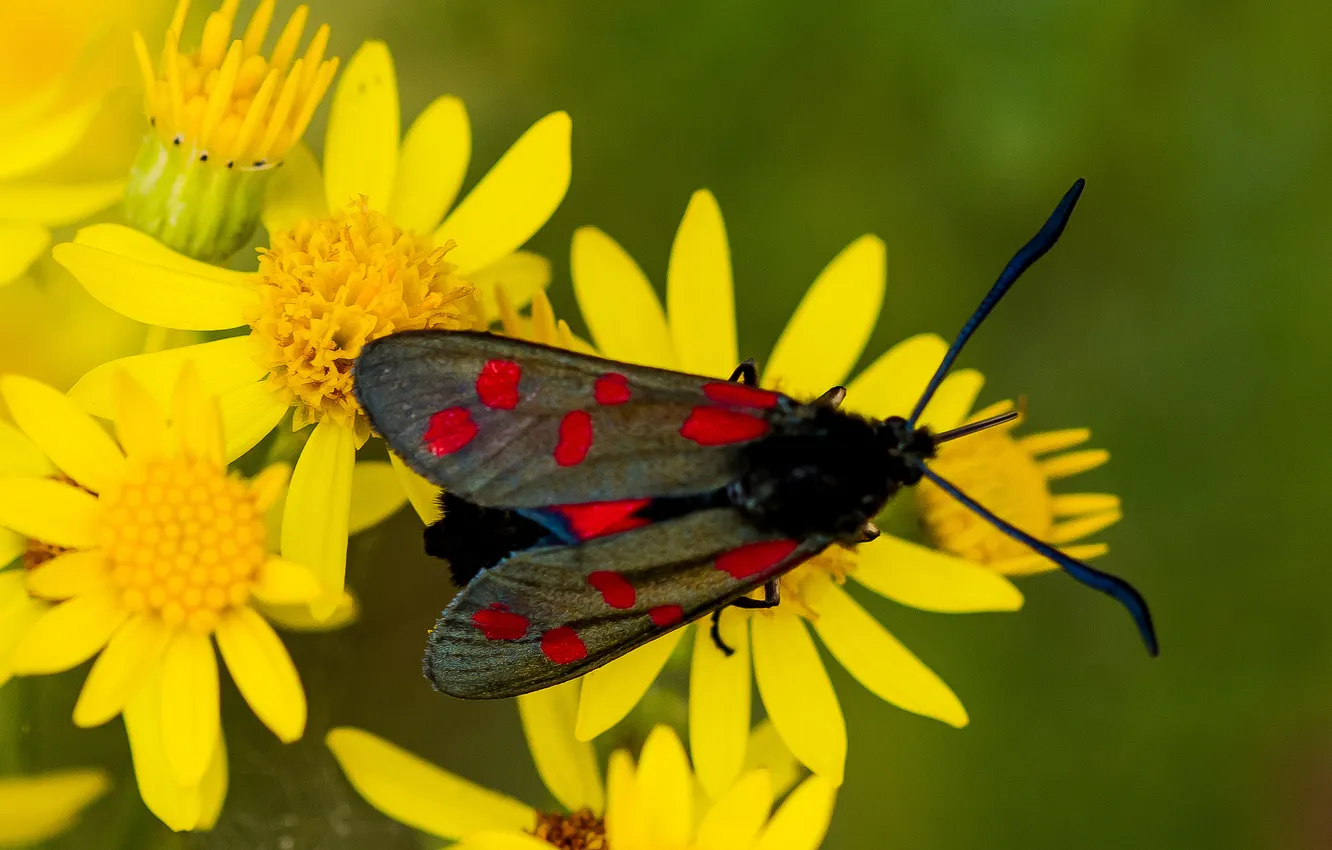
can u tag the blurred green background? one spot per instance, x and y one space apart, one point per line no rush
1183 317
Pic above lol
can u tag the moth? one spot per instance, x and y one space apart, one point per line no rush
591 506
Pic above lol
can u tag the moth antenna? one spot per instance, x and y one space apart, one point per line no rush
972 428
1022 260
1117 588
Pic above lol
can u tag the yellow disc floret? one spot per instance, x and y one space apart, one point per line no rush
183 539
329 286
226 102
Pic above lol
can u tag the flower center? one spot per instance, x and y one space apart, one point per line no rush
183 539
835 561
578 831
225 102
994 469
329 286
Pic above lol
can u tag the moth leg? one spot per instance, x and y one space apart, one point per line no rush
832 398
715 631
869 531
772 597
746 373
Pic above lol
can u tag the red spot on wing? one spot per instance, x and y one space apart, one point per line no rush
499 623
611 388
563 645
666 615
615 588
497 385
597 519
449 430
712 426
753 558
575 438
729 392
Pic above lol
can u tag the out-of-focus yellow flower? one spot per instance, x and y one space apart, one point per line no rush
355 255
654 805
146 552
35 808
1012 476
69 117
823 340
223 116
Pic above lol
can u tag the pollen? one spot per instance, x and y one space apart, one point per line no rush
329 286
183 539
1011 476
226 101
578 831
835 561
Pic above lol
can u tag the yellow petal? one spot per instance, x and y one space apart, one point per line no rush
60 204
143 279
249 413
892 383
69 574
18 613
415 792
627 812
434 160
567 766
47 140
878 660
361 142
767 751
191 714
423 495
1075 529
1031 564
20 456
314 522
829 329
1062 466
515 198
611 692
798 695
282 582
48 510
492 840
212 789
141 426
1053 441
70 438
736 817
21 243
295 193
664 778
223 365
376 495
802 821
297 618
263 672
12 545
719 709
178 806
69 634
521 275
34 808
196 418
931 580
700 296
1081 504
270 485
953 400
621 310
132 653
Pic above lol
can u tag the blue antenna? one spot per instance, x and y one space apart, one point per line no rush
1117 588
1022 260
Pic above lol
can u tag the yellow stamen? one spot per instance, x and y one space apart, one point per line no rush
212 101
183 539
329 286
834 561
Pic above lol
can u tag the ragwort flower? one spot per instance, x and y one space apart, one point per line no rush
144 553
35 808
653 805
821 343
352 257
68 131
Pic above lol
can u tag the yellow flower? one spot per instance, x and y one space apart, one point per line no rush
69 121
354 255
146 552
1013 476
35 808
654 805
223 116
823 340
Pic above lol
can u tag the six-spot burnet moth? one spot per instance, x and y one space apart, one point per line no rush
591 506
